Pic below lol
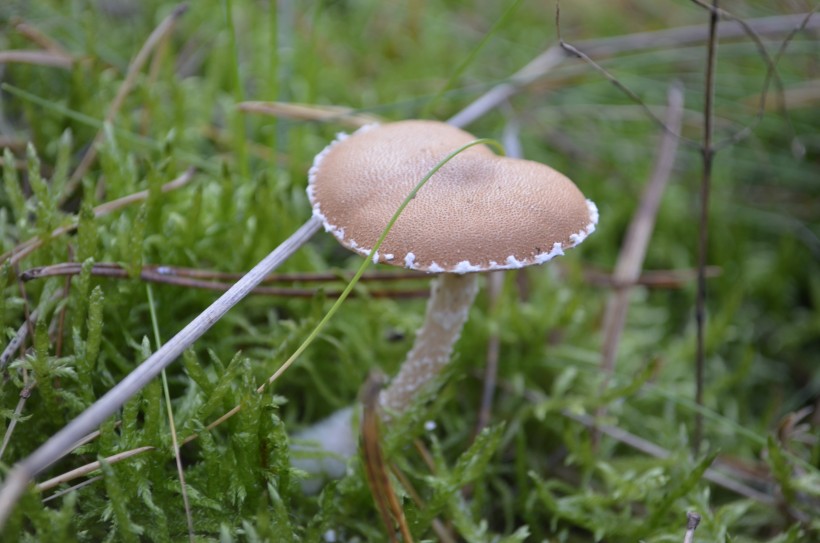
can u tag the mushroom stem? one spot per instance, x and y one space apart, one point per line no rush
451 296
322 450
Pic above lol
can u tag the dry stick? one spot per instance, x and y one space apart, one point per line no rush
42 58
375 465
307 112
61 443
675 37
771 70
39 38
15 145
79 471
73 488
24 395
157 274
633 251
707 153
692 521
125 88
27 329
24 249
657 279
17 341
90 467
108 269
28 319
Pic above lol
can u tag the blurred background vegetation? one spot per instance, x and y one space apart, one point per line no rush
541 468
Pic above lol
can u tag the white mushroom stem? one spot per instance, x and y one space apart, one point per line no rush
451 296
322 450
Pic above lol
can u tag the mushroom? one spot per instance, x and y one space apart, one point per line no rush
479 212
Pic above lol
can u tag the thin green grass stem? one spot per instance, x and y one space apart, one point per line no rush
158 341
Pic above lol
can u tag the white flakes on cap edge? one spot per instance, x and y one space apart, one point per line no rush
465 266
338 233
511 263
434 268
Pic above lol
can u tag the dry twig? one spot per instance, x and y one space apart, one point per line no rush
90 467
708 154
168 276
39 38
375 465
307 112
42 58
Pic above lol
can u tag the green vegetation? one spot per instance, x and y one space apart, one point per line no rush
540 471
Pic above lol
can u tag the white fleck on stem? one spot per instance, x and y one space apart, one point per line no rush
451 296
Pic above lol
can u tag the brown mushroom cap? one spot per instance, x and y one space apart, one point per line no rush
479 212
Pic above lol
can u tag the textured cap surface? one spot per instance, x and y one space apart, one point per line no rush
479 212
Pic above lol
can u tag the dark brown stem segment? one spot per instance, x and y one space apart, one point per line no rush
703 234
451 296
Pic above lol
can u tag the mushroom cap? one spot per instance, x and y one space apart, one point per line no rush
479 212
